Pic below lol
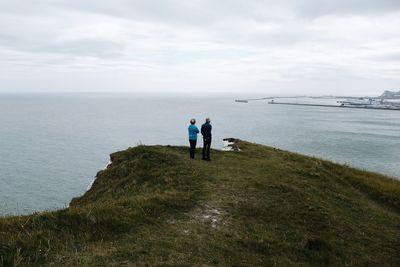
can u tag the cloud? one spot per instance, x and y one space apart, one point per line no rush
393 56
312 8
201 45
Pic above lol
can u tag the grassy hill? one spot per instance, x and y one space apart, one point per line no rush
257 206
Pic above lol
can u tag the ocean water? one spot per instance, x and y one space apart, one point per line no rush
51 146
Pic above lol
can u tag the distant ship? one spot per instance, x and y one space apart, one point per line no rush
242 100
362 102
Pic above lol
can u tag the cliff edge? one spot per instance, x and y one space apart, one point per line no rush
255 206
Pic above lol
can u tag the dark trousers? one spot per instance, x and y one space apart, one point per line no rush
192 148
206 147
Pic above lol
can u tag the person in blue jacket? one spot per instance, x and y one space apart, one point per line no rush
193 131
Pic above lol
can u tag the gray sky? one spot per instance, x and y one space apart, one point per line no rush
271 47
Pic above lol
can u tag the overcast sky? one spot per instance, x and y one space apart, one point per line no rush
269 47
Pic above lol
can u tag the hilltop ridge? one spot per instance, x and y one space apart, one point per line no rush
255 206
390 95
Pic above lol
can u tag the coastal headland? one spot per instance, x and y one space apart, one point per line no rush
253 206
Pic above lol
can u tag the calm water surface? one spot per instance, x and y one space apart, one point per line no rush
51 146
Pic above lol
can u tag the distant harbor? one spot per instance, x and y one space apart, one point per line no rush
387 101
337 106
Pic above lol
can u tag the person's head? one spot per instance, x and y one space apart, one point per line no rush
192 121
208 120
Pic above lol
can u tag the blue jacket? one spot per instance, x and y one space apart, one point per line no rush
193 131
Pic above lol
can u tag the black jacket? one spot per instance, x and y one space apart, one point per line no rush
206 130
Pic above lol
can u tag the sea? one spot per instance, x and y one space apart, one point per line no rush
52 145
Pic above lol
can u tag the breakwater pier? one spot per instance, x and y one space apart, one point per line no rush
336 106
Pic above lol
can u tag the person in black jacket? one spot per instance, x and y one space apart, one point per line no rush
206 132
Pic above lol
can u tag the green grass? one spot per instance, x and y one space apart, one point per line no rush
259 206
